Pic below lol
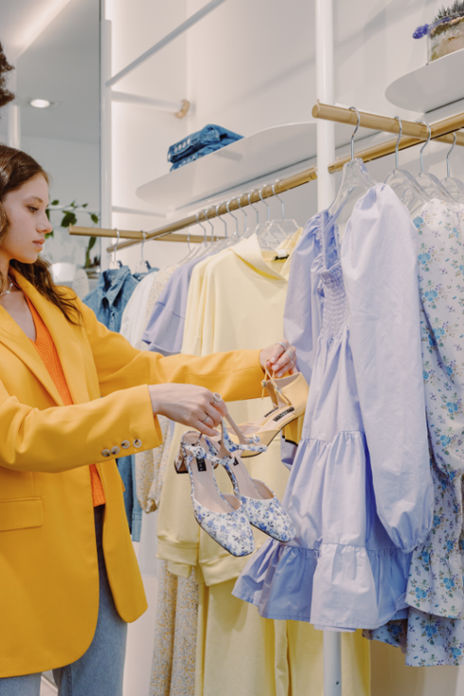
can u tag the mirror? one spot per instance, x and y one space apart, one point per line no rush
54 47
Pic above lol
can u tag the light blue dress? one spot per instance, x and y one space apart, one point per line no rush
360 490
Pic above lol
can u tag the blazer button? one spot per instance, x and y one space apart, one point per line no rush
125 444
137 442
106 453
115 450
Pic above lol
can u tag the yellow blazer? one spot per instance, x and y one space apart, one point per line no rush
48 560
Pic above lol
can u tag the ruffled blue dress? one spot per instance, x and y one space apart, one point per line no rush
360 490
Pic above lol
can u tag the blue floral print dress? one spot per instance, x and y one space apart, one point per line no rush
433 633
360 489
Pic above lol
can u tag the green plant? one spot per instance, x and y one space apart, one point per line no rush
69 217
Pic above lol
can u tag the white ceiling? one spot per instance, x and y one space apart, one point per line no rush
54 47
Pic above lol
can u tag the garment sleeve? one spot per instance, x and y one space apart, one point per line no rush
379 260
303 306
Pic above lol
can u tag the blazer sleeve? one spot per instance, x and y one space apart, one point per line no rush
234 374
64 437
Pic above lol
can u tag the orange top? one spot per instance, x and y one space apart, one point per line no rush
47 351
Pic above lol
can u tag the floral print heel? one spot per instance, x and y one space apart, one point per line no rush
220 515
263 510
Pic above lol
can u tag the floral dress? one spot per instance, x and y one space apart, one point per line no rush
433 633
360 489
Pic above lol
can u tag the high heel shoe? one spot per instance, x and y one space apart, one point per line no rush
222 516
289 396
259 503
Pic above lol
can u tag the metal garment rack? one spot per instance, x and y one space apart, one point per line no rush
413 134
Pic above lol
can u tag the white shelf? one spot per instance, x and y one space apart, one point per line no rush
433 85
263 153
262 157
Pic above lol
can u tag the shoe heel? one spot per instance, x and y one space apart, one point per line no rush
263 509
219 515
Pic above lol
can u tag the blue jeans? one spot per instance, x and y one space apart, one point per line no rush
99 671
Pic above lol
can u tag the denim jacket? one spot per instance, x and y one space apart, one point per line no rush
108 300
209 135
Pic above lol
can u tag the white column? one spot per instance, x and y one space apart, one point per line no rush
105 126
325 195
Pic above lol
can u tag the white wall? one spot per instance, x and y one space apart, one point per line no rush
248 66
73 168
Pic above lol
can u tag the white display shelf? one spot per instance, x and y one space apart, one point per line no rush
435 84
263 153
268 154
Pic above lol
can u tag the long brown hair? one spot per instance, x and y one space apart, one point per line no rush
16 167
5 94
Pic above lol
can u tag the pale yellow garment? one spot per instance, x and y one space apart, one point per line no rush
235 298
239 652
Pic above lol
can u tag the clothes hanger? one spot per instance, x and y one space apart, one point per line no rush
403 183
236 234
283 225
355 182
271 234
252 229
453 185
115 263
429 182
143 265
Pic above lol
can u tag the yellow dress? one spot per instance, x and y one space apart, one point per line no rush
236 299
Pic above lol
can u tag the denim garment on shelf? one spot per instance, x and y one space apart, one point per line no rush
108 300
360 489
206 150
165 329
208 135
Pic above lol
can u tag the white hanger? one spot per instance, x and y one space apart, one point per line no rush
403 183
453 185
429 182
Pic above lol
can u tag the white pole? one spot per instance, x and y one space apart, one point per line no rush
325 194
105 125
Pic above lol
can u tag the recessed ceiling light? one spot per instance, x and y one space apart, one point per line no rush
40 103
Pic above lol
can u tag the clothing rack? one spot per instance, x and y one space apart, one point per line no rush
413 133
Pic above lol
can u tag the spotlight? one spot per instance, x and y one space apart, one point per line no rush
40 103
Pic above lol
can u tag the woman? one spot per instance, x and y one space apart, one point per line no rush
73 396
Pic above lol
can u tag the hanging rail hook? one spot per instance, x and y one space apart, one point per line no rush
268 210
358 116
142 248
250 193
208 220
237 233
429 135
222 219
244 213
282 204
397 144
116 246
449 153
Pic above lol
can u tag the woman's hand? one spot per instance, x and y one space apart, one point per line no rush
188 404
279 359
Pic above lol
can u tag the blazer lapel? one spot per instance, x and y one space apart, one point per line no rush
64 335
14 338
